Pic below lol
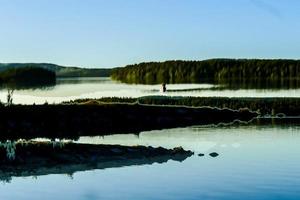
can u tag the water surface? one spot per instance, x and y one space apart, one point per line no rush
255 162
77 88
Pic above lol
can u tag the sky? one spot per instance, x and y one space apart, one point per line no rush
114 33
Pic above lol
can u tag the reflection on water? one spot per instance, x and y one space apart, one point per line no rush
78 80
255 162
29 86
261 83
75 88
198 138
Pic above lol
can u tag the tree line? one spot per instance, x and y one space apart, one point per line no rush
208 71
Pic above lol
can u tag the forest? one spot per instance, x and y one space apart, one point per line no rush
208 71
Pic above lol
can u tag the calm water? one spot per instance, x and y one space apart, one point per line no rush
75 88
255 162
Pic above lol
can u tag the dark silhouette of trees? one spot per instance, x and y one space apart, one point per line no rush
208 71
27 76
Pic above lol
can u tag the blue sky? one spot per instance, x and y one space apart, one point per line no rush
110 33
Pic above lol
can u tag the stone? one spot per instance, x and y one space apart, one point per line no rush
214 154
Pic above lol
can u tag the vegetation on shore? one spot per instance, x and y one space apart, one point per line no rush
209 71
27 76
73 121
265 106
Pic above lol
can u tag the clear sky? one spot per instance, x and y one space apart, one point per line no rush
110 33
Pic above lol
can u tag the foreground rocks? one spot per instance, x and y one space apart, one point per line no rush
41 158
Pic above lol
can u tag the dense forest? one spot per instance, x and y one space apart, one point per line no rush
27 76
208 71
60 71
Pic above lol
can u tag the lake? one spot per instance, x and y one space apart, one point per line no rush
256 161
75 88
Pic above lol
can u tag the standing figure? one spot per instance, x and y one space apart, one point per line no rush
164 88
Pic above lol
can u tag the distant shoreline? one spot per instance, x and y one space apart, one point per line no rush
218 71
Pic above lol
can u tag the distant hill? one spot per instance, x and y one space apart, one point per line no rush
60 71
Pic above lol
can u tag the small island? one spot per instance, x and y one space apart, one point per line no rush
27 76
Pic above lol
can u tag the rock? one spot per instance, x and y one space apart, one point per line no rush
214 154
201 154
281 115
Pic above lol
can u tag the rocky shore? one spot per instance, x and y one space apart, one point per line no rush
42 158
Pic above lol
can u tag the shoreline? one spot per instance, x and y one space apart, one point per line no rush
73 121
41 158
287 106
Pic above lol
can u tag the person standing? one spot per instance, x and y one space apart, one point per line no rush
164 87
